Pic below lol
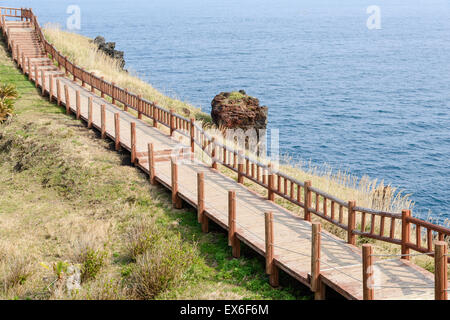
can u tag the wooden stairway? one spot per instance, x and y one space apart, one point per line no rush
27 50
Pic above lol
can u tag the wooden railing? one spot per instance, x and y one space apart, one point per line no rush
373 224
15 13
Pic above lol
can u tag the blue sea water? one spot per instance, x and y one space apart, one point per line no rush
374 102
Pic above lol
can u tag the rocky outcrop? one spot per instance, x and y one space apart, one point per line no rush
234 110
110 49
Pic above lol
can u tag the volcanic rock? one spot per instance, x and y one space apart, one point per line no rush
109 48
234 110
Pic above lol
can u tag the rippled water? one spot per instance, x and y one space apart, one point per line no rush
375 102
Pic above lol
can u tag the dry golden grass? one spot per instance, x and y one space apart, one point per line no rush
83 52
161 264
15 268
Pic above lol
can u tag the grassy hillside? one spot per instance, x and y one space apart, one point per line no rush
72 210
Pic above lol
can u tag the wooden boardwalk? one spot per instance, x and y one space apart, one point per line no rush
341 263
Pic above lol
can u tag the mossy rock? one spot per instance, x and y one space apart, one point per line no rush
236 109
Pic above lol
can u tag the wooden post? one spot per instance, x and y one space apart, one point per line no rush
102 87
23 63
203 219
172 125
213 153
19 59
113 95
90 103
231 215
271 269
200 196
117 131
240 167
133 143
316 286
406 233
58 92
50 93
18 55
367 272
66 93
139 107
151 164
441 269
29 68
308 200
233 241
78 104
57 62
36 76
92 82
176 200
125 106
192 135
270 187
3 25
155 116
43 83
65 66
13 48
103 120
351 237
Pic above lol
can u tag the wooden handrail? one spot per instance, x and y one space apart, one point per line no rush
429 225
283 185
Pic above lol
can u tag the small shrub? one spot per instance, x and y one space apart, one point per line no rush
106 288
59 269
6 108
8 91
94 260
15 270
58 282
88 253
140 236
161 267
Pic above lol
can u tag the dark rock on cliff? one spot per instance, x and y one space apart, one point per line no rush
109 48
238 110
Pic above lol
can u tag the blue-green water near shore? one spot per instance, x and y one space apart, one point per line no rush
374 102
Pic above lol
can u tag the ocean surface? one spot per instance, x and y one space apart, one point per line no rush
374 102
